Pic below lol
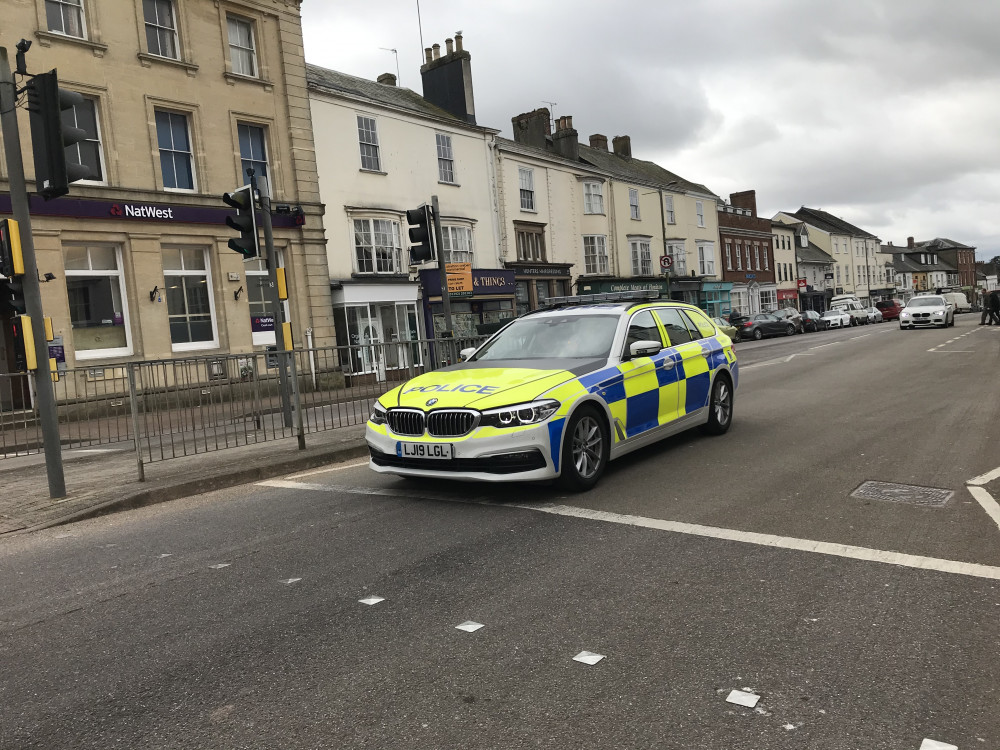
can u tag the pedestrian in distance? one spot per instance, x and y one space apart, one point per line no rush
995 307
984 305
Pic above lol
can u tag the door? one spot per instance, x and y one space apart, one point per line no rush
371 347
690 377
641 408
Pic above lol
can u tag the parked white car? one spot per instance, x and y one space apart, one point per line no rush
837 318
926 310
874 314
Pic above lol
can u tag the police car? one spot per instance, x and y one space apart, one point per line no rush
559 392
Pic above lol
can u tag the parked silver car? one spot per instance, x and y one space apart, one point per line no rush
926 310
874 314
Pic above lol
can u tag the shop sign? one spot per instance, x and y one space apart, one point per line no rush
262 323
485 281
787 294
459 279
552 270
602 287
803 283
57 351
717 286
751 276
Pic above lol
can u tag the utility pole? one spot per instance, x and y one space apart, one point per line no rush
47 414
449 332
271 261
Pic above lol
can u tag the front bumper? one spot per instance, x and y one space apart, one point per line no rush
924 319
521 454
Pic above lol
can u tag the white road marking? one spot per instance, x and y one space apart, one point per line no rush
289 581
976 570
371 600
741 698
166 554
327 470
220 566
417 493
935 745
832 343
951 351
797 354
986 478
588 657
469 626
985 499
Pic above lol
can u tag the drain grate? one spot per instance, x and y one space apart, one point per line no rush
930 497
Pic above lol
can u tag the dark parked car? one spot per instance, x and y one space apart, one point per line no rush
813 321
766 324
890 309
792 315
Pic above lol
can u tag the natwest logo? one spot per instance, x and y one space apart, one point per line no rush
141 212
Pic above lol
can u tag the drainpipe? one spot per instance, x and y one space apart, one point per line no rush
663 228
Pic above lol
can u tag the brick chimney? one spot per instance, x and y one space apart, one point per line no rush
622 145
599 141
566 140
746 199
530 128
387 79
909 242
447 79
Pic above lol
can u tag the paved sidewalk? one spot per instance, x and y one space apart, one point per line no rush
105 479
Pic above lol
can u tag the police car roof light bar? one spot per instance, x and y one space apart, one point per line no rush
583 299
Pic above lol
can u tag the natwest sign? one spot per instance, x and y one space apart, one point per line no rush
130 210
803 283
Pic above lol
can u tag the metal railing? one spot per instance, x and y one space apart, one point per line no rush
181 407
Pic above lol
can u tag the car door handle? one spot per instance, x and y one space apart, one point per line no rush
668 364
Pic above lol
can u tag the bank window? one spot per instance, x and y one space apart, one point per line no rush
368 141
253 151
699 208
188 285
706 258
633 203
161 28
739 256
530 243
176 158
756 254
668 203
242 51
767 263
97 306
262 324
457 242
65 17
446 159
377 246
749 266
526 179
88 151
642 262
595 253
593 198
678 254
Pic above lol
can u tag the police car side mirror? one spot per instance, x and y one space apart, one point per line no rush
644 349
466 353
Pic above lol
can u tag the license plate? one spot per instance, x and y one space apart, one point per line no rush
424 450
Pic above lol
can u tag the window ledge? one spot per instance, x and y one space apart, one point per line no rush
147 61
451 184
45 38
233 78
529 210
372 171
95 355
594 213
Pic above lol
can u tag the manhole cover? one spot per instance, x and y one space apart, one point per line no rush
931 497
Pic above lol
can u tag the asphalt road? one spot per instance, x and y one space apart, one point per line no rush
698 566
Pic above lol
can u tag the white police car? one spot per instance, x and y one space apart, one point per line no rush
559 392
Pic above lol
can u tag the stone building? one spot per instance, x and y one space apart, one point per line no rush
180 96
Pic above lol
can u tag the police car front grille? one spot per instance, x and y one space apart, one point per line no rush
406 422
451 422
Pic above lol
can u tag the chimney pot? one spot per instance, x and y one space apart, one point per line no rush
565 140
909 242
389 79
449 45
569 122
458 42
427 54
599 141
437 51
622 145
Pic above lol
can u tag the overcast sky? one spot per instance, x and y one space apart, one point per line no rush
883 112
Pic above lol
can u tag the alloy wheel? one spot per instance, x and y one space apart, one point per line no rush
588 448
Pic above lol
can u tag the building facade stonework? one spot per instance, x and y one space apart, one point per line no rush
180 96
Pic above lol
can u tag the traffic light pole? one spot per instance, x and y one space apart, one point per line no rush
271 261
445 297
47 414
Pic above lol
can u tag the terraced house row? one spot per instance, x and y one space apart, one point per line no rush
181 96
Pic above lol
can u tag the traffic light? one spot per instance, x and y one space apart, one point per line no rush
11 260
50 135
12 295
24 344
244 221
421 247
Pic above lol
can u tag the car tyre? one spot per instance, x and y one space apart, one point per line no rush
585 452
720 406
758 334
790 331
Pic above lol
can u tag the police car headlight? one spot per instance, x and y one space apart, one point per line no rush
378 414
519 415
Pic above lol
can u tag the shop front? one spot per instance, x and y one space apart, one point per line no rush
372 317
537 282
490 303
716 298
605 286
751 297
788 298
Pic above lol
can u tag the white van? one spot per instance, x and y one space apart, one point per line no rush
851 305
959 301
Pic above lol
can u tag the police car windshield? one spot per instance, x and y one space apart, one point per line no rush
554 336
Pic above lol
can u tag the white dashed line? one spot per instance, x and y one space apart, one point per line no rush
371 600
219 566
